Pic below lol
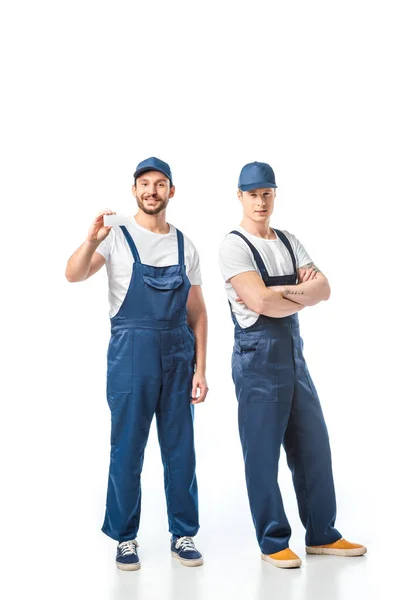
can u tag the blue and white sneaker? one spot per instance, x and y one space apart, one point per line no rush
127 556
184 550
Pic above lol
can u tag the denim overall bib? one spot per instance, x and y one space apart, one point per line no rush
278 404
150 365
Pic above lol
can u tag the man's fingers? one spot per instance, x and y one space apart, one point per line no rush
198 400
106 211
98 220
202 396
313 274
308 275
301 275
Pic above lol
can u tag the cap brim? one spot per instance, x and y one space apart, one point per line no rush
146 169
256 186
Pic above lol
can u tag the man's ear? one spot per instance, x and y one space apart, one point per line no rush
240 195
172 192
133 189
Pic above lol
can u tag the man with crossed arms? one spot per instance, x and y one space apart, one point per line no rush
269 278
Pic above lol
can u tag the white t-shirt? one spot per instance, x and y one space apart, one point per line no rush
236 257
155 249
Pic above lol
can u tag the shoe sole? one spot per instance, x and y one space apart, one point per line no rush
196 562
124 567
336 551
295 563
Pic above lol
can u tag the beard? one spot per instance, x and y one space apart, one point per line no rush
152 211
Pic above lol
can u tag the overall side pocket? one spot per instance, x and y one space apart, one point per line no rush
189 344
304 369
120 362
260 374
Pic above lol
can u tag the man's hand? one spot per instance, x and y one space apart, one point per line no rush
98 231
307 273
199 383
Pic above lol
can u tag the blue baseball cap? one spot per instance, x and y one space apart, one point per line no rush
153 164
256 175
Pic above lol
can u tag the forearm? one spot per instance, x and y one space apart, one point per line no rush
198 324
78 265
274 305
308 293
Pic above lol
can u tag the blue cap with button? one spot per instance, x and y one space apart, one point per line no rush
153 164
256 175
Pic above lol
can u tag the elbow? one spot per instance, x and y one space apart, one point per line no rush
263 305
193 318
68 273
69 277
327 292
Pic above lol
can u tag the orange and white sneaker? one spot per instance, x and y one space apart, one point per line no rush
285 559
339 548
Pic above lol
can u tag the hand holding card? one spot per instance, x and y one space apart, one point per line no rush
113 220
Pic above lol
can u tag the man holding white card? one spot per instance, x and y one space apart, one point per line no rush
156 357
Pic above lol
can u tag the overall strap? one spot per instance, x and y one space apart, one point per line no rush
131 244
284 239
257 257
181 248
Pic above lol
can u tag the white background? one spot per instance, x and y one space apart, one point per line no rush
88 90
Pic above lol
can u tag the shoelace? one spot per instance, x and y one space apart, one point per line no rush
128 547
186 543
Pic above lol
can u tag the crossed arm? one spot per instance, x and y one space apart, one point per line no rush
281 301
313 287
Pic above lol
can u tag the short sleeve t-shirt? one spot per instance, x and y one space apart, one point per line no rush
155 249
235 257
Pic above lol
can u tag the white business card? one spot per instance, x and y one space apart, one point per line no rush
113 220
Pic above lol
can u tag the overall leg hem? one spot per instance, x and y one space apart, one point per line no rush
330 538
274 548
188 533
114 536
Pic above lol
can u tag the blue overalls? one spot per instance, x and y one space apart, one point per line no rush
150 365
278 404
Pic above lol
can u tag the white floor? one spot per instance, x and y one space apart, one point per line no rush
245 576
65 555
233 569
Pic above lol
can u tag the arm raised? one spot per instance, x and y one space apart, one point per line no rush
85 261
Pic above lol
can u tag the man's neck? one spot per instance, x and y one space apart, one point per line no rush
262 230
154 223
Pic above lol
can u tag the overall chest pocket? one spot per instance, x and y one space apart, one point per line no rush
163 296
